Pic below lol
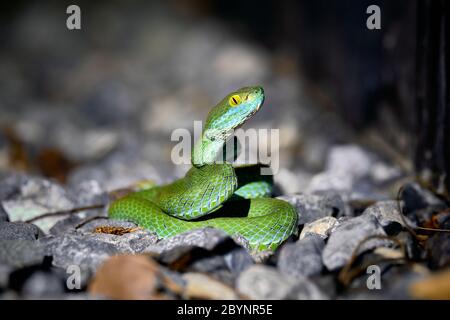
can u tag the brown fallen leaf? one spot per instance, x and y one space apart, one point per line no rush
201 286
50 162
132 277
118 231
17 154
54 164
435 287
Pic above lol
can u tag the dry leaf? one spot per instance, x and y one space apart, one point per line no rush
53 163
436 286
389 253
131 277
118 231
201 286
17 153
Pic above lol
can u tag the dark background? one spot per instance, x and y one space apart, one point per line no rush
389 87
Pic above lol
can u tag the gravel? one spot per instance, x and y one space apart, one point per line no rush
321 227
388 215
114 121
21 253
311 207
18 231
86 252
43 285
206 238
348 234
416 198
266 283
302 258
35 197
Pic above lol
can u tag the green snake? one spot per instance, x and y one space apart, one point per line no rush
212 194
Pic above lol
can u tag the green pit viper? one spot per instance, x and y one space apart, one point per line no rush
233 199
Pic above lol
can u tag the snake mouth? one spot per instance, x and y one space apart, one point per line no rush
258 96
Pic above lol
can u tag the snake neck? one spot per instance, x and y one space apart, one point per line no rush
206 151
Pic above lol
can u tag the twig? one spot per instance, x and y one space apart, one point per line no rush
407 226
65 212
84 222
346 275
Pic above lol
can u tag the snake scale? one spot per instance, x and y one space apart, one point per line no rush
233 199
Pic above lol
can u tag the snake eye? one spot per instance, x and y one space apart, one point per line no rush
235 100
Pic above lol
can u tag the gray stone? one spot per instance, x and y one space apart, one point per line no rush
134 241
290 182
321 227
381 173
18 230
120 169
205 249
438 248
89 192
35 197
350 160
263 282
416 198
43 285
214 266
328 180
5 270
84 144
311 207
353 172
303 257
9 185
85 251
208 264
307 290
70 223
21 253
327 284
238 260
387 214
346 237
267 283
141 240
225 267
206 238
3 215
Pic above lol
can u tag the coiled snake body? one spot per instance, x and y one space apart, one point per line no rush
233 199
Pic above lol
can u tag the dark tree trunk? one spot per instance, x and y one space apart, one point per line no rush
433 103
393 82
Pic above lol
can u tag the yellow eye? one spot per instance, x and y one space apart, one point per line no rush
235 100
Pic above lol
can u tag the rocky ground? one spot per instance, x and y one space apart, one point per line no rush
328 260
94 114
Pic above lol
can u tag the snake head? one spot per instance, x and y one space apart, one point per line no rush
234 110
229 114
